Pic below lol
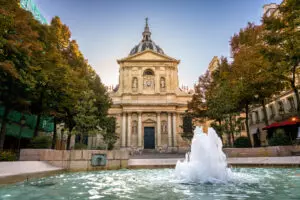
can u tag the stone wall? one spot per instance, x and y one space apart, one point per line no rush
262 151
76 160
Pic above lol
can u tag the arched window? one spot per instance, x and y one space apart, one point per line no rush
148 72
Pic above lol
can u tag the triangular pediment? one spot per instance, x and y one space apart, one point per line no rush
148 55
149 121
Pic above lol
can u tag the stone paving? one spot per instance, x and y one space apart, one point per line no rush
25 167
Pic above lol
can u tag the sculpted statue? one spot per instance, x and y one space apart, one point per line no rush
134 127
164 127
134 83
162 82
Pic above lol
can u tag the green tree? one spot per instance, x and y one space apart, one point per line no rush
86 119
18 42
43 71
109 133
188 128
253 83
282 44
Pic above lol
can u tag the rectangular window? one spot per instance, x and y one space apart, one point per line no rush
257 117
250 119
292 104
262 114
272 111
280 108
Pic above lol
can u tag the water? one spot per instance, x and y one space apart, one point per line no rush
247 183
203 175
207 162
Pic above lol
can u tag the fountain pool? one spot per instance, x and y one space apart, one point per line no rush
246 183
203 175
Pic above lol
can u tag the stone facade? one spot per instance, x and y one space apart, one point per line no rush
148 103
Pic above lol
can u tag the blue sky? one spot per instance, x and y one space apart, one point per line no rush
190 30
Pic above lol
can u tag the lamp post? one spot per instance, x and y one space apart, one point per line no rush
22 122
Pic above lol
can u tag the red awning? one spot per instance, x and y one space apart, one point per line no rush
289 122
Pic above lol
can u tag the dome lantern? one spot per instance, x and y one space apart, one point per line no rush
146 42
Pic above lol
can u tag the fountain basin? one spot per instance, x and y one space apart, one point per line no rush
247 183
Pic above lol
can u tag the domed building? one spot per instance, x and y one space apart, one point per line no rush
148 103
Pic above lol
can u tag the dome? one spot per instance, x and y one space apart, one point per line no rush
146 43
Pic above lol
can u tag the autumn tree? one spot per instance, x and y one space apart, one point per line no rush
254 84
18 42
282 44
43 71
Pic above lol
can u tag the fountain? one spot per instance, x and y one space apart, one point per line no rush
206 163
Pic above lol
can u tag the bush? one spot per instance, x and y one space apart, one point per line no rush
79 146
279 138
242 142
40 142
7 156
101 147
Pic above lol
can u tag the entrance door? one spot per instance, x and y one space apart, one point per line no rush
149 141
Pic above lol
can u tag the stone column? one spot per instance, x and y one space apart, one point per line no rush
124 130
157 84
121 83
174 130
158 130
140 130
169 130
129 130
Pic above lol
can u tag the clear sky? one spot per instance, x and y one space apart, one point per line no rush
190 30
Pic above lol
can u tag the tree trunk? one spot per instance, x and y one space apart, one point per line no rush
297 98
81 138
39 110
54 134
220 134
295 88
69 141
69 137
61 139
227 131
37 125
247 125
231 129
3 127
265 112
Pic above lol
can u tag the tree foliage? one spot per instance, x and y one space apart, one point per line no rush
265 60
109 133
42 71
187 127
282 44
87 122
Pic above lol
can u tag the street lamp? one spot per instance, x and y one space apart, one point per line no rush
22 122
